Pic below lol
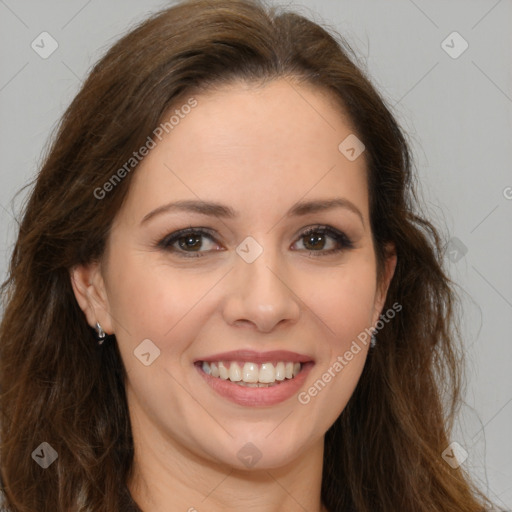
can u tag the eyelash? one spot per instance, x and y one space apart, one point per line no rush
339 237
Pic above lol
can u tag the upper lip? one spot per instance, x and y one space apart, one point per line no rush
257 357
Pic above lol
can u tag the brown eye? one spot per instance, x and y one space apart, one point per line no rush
315 241
188 243
193 242
324 240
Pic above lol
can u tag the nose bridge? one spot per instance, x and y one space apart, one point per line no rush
259 293
258 264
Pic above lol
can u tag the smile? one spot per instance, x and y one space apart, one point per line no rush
252 374
251 378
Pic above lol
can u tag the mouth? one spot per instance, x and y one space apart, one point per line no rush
251 378
252 374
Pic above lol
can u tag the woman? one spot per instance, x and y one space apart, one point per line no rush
221 295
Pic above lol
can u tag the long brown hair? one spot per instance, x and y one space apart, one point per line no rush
58 386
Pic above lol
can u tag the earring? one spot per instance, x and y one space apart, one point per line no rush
373 341
100 333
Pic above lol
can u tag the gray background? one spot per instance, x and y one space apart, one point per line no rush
456 111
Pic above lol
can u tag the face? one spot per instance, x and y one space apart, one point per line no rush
274 276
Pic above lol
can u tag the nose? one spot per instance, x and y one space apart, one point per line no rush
259 295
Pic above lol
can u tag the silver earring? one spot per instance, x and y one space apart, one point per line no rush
100 333
373 340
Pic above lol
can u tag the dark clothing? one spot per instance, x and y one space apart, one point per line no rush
128 504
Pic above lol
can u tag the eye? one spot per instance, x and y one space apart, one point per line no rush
192 242
317 238
188 243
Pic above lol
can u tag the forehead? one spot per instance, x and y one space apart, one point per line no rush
254 147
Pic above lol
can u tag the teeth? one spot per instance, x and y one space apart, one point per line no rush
223 371
280 371
235 373
289 370
252 374
255 385
214 370
267 373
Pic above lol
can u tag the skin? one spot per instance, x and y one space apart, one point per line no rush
258 150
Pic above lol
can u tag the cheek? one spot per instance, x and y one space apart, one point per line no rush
158 303
152 300
342 298
344 302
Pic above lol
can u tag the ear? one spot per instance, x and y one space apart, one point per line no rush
90 292
383 287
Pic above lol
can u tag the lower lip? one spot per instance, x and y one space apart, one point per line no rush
252 397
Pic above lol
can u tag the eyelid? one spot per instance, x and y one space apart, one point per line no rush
340 237
167 240
337 235
330 230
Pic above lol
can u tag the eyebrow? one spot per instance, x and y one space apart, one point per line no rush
219 210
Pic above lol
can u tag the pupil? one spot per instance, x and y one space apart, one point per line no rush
190 242
314 239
